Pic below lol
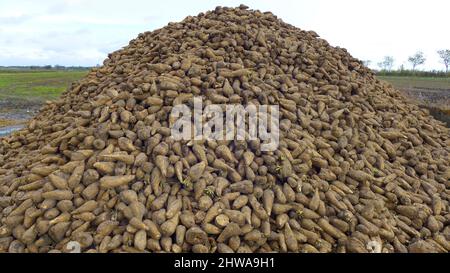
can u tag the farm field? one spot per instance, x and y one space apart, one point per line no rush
431 93
425 91
428 83
428 92
23 92
35 86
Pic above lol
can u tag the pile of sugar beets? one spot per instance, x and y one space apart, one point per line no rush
358 169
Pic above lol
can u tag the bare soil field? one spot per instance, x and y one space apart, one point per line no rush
430 93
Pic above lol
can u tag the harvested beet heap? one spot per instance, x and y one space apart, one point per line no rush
357 169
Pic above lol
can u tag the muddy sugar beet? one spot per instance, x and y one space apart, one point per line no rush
357 168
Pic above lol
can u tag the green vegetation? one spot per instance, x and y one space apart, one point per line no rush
36 85
427 83
411 73
13 69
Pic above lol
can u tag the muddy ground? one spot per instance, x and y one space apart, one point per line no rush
15 113
437 101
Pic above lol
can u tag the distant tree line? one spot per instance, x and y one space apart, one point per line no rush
386 65
44 67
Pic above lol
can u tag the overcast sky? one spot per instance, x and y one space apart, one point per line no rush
83 32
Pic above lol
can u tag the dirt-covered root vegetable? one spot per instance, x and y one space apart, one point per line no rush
140 240
108 182
231 230
196 236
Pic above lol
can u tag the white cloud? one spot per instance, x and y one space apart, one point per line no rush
82 32
14 19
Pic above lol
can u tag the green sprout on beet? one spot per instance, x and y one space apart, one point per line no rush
186 183
209 192
278 168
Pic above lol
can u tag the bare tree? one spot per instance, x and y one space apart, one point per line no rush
380 65
387 63
417 59
367 62
444 54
